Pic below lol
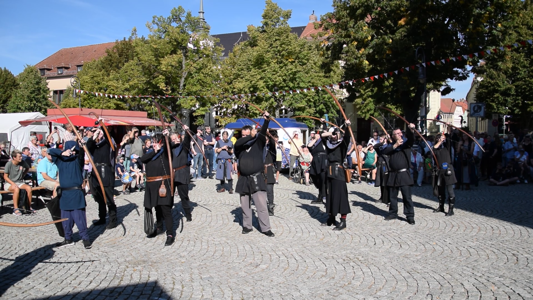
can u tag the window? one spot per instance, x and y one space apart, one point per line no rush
59 71
58 96
42 71
80 68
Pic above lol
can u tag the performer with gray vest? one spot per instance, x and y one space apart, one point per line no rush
224 150
249 151
104 158
399 176
181 165
444 177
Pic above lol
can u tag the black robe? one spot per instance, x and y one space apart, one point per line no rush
102 153
400 162
382 172
336 191
154 168
182 175
270 159
319 162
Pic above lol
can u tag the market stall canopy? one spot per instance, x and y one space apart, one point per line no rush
82 117
285 122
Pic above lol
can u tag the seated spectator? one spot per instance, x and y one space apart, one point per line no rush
136 172
4 156
35 149
14 174
521 159
26 156
371 158
120 170
503 176
47 176
417 165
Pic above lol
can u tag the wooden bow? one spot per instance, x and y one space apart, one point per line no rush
31 225
84 148
359 164
275 121
188 131
270 135
448 124
169 151
97 122
382 127
427 144
315 118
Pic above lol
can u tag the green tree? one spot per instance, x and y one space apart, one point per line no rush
32 93
506 85
8 84
275 59
375 37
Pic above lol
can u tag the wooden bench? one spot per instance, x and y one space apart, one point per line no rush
37 188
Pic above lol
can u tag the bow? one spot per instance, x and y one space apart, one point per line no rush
97 122
169 153
315 118
275 121
31 225
270 135
381 125
84 148
430 148
359 164
448 124
188 131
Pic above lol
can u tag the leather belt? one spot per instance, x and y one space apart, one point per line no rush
103 164
157 178
71 188
179 168
268 165
399 171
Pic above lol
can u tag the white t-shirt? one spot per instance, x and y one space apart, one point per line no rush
522 158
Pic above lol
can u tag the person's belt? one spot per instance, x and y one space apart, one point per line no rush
399 171
103 164
179 168
157 178
71 188
268 165
228 159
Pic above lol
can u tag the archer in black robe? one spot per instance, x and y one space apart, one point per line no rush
182 171
444 176
317 171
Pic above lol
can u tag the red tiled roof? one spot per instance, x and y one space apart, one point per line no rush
447 106
310 30
70 58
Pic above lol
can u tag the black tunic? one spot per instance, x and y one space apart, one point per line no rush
319 162
103 156
382 171
443 155
182 175
337 191
400 162
154 168
270 160
249 151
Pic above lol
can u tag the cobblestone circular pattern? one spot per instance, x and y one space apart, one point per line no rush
481 252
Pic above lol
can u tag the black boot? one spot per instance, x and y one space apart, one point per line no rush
112 219
451 202
188 215
441 205
170 240
341 225
271 209
330 221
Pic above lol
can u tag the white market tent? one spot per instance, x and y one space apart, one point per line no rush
19 136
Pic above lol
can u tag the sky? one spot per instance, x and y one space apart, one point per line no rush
30 31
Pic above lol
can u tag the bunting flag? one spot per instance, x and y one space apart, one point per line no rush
385 75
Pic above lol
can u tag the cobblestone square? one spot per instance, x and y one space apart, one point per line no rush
482 252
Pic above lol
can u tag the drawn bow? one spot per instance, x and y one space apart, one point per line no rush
470 136
382 127
427 144
169 152
84 148
97 122
31 225
270 135
318 119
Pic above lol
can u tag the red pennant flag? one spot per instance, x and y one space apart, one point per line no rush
459 58
495 50
437 62
470 55
372 78
447 60
413 67
428 63
509 47
381 75
482 53
362 80
401 70
390 73
523 43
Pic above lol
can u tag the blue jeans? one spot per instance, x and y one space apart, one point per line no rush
209 155
198 161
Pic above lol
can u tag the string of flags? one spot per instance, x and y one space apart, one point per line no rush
350 82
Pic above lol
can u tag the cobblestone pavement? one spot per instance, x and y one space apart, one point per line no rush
481 252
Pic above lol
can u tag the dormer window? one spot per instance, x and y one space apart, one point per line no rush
79 68
59 71
42 71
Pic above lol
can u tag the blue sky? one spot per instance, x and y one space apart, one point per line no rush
30 31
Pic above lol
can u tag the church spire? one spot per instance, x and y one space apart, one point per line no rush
201 12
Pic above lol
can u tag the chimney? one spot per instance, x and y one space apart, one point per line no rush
313 18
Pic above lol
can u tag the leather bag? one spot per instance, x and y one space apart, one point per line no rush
149 227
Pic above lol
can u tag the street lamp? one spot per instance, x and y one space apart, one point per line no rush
75 84
420 55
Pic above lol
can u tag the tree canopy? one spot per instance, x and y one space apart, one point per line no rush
275 59
32 93
374 37
8 85
506 77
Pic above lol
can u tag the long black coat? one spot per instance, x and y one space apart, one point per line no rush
400 159
382 171
444 156
319 162
156 167
182 175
